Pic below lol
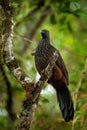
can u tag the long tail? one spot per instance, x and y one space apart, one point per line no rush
65 103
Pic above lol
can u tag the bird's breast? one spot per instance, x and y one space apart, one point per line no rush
42 58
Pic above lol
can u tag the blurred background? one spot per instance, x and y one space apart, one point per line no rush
67 22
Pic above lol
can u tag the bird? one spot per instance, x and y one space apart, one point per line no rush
59 78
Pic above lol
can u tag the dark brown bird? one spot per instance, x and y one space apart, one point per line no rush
59 79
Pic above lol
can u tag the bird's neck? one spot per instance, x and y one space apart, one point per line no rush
46 41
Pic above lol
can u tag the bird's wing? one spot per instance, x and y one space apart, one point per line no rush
61 65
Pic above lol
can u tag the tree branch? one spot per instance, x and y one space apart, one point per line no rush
9 103
44 14
32 13
32 98
32 90
7 44
30 34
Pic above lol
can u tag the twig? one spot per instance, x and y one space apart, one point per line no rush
24 38
78 88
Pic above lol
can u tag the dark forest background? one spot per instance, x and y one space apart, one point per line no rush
67 22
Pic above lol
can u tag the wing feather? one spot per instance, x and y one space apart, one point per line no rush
62 66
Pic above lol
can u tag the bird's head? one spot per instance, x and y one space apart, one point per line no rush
45 33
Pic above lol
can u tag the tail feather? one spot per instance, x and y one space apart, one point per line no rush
65 103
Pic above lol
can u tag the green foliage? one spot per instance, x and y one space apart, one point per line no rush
67 23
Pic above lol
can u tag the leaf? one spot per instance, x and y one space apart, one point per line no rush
74 6
45 100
